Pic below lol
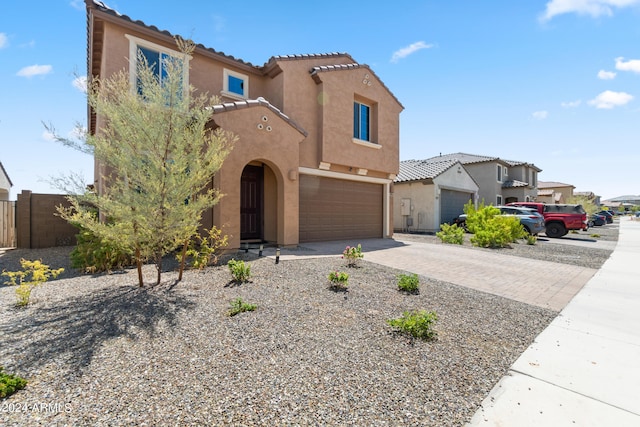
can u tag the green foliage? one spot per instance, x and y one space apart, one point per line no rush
239 306
157 152
451 233
338 279
419 324
353 254
595 235
531 239
490 229
93 253
33 274
589 205
240 270
408 283
9 384
204 250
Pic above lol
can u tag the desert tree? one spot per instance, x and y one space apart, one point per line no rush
158 154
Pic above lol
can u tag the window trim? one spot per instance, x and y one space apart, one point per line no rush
225 84
499 173
134 42
369 127
498 199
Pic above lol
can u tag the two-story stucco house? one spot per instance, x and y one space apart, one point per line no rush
318 145
500 181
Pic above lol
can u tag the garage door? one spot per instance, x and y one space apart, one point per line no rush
452 204
334 209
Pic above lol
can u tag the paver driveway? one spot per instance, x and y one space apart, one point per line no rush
541 283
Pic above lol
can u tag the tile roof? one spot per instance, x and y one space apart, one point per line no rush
514 184
466 158
417 170
545 192
238 105
552 184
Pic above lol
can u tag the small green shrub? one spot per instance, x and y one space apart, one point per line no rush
338 279
204 250
531 239
418 324
240 271
574 232
451 233
498 231
9 384
94 254
408 283
239 306
595 235
353 254
33 274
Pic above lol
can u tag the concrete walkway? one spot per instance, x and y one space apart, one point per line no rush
582 370
541 283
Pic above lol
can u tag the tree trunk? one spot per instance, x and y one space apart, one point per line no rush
183 259
159 266
139 265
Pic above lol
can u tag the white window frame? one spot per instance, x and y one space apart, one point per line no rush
498 199
225 84
499 173
134 42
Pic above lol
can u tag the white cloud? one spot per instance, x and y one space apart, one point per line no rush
406 51
630 65
4 40
609 99
606 75
80 83
48 136
571 104
540 115
593 8
77 4
34 70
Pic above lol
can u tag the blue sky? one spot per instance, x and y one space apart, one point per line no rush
554 83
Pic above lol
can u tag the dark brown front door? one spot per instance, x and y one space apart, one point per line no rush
251 185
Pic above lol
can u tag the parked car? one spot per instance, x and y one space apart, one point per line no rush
530 219
559 218
597 220
607 215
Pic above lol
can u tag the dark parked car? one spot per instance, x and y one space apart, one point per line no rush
607 215
597 220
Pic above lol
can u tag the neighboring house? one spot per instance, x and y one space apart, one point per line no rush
318 144
429 193
5 184
622 203
554 192
500 181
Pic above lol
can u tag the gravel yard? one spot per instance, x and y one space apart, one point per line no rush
99 350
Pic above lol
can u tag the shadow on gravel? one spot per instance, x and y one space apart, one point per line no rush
73 330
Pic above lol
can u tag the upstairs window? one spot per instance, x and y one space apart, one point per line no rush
499 173
361 121
157 58
235 85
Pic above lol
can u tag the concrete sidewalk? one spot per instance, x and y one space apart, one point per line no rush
582 370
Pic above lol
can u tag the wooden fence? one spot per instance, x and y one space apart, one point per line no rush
7 224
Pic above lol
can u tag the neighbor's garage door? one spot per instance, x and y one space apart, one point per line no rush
452 204
334 209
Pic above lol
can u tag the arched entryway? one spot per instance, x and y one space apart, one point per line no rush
258 203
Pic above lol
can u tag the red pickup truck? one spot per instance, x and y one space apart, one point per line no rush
559 219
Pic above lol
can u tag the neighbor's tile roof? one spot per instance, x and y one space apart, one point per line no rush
238 105
417 170
552 184
466 158
514 184
545 192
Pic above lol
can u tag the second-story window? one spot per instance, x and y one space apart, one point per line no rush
235 85
361 121
499 173
157 59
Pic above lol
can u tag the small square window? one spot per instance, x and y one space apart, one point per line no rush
235 84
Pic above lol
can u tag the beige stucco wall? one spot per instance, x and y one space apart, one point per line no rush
486 175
